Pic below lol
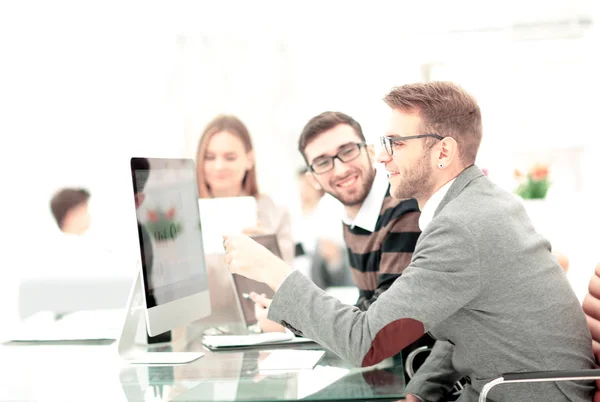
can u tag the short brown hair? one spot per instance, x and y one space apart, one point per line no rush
65 200
232 125
324 122
445 109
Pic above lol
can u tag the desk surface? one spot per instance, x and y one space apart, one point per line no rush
94 372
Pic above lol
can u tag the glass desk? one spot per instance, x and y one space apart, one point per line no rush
92 371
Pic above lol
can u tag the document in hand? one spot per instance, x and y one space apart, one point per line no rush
219 216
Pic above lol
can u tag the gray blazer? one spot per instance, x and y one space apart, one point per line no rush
481 280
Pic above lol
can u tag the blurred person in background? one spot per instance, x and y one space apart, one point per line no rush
69 207
226 167
320 254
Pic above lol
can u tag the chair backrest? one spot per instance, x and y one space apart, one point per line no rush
591 308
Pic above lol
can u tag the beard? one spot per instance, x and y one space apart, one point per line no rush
353 197
416 182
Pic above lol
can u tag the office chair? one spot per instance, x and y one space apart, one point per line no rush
591 308
416 358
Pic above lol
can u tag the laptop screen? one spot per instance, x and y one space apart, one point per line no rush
244 286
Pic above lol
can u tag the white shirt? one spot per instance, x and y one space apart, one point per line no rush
432 204
367 215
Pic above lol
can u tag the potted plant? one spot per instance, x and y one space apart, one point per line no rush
534 184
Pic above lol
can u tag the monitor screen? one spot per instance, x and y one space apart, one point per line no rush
169 230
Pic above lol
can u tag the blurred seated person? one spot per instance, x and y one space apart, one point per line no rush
226 167
69 207
79 248
320 253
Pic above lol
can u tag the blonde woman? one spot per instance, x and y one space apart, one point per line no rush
226 167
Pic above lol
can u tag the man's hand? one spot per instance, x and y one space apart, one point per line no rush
250 259
412 398
261 310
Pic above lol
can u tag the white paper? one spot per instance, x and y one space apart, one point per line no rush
310 382
230 215
218 341
291 360
81 325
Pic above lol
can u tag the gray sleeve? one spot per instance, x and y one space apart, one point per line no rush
436 376
441 279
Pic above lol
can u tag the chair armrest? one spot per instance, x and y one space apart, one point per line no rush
409 364
556 375
540 376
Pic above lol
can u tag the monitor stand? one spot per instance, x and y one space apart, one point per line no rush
133 342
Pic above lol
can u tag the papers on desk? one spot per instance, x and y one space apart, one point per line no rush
290 360
230 215
319 378
76 326
229 342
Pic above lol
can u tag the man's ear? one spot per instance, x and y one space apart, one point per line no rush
448 152
371 152
312 180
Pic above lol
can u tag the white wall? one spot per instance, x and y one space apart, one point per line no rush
83 87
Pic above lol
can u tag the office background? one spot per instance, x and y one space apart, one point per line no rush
84 87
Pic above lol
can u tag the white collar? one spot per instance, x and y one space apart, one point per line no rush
369 211
432 204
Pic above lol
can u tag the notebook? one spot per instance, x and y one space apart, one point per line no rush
253 341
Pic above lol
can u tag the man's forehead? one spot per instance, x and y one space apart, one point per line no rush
329 142
404 119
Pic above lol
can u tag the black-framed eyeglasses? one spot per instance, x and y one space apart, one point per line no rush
388 142
347 153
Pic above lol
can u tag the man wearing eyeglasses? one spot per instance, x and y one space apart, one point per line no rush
380 232
481 278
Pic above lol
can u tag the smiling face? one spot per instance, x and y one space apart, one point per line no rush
349 182
226 163
410 168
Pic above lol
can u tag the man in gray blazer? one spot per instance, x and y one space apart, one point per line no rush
481 279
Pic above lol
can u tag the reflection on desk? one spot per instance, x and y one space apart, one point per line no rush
93 372
235 377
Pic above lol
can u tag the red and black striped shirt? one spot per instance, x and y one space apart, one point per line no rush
378 258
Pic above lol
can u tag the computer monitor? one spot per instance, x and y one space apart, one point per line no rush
173 283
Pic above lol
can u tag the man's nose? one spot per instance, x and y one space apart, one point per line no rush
382 156
339 167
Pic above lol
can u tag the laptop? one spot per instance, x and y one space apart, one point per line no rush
243 286
251 337
232 310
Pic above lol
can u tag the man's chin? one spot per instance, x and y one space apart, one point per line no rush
350 200
400 193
